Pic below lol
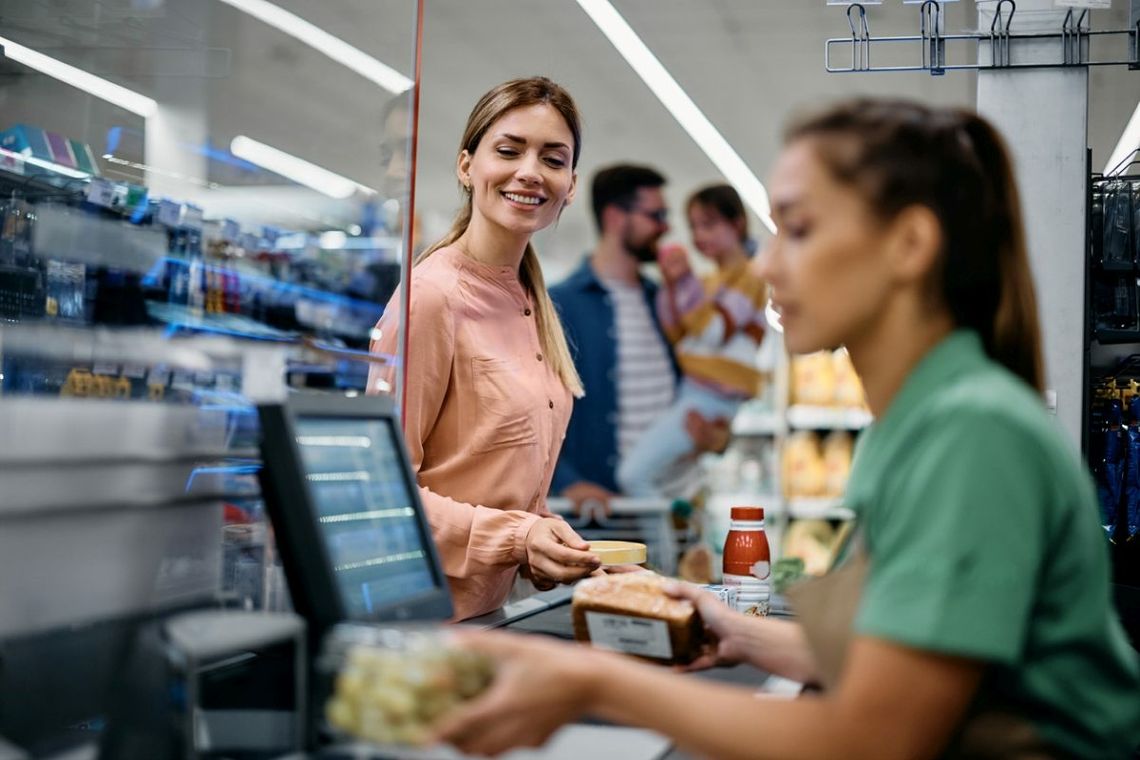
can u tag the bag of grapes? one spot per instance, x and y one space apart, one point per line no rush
392 685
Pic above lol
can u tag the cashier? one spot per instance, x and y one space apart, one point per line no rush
973 618
490 381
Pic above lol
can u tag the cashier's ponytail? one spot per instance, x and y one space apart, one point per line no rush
899 154
519 93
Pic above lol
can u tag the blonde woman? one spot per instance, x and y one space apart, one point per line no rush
490 380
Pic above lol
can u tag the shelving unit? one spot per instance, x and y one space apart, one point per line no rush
761 432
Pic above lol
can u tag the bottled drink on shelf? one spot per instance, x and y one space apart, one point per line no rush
748 561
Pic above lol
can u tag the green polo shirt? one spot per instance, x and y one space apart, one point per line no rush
981 528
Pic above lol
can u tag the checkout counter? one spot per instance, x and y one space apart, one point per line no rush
111 640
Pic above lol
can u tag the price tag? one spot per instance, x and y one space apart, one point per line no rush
632 635
101 193
182 381
169 213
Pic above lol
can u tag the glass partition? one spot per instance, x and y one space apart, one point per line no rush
203 203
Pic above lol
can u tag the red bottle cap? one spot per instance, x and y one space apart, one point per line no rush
747 513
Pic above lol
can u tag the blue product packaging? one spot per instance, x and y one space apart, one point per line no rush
1110 484
1132 469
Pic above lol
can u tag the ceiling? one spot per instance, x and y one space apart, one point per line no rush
748 64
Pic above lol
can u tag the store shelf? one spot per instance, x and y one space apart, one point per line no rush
824 508
1109 336
803 417
757 423
233 325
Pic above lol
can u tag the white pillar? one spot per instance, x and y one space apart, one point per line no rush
1043 115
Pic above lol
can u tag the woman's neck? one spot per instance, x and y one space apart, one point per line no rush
490 244
886 354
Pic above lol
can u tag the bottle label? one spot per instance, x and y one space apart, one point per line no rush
632 635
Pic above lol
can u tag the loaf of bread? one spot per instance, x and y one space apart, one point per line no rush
629 612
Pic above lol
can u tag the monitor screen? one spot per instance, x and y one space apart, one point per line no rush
346 512
363 505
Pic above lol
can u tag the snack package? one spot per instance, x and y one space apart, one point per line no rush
811 542
393 685
837 448
630 613
813 379
804 472
848 388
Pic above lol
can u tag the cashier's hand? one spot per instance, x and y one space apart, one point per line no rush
540 684
556 554
721 621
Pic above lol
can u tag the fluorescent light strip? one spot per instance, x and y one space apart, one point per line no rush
1129 141
678 103
323 42
297 169
66 171
100 88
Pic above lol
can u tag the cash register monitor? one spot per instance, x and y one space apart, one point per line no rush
349 525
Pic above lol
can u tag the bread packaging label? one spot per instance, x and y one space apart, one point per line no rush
632 635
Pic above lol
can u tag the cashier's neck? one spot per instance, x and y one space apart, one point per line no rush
492 244
885 354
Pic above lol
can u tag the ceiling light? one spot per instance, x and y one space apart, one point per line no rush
323 42
97 86
297 169
1129 142
681 106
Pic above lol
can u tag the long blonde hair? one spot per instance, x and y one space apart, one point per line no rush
519 93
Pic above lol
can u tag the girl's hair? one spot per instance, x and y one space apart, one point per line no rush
519 93
725 202
897 154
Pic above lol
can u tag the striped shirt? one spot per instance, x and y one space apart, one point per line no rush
644 373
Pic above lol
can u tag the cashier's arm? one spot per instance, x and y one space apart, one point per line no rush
893 702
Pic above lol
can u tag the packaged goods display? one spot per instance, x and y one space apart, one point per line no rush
80 249
392 685
825 378
630 612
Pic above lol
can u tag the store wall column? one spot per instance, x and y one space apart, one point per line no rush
181 124
1043 115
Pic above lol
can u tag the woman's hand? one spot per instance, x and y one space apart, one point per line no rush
556 554
540 684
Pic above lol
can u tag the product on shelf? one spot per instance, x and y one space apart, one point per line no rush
630 612
813 379
804 473
837 449
848 389
812 542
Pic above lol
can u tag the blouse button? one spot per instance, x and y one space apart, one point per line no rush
551 404
526 312
538 356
